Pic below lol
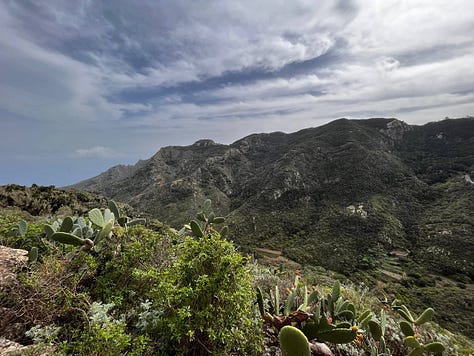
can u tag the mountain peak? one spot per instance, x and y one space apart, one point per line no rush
204 143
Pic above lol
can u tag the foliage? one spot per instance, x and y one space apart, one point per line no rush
142 291
44 201
106 335
43 335
185 294
208 299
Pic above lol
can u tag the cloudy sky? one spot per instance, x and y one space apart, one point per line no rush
88 84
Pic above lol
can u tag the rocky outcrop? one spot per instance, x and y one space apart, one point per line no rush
396 129
11 260
8 347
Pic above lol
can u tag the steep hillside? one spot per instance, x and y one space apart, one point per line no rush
358 189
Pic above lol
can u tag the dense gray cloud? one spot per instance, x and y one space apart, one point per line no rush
88 79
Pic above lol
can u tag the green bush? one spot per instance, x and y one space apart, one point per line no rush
206 299
106 335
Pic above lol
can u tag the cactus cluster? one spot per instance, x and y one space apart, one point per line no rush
89 233
76 226
76 231
208 219
333 319
71 231
80 233
408 328
325 319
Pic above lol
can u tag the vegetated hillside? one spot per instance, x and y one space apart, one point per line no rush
376 195
44 201
355 188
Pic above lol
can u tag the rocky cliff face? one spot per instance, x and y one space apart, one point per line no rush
291 191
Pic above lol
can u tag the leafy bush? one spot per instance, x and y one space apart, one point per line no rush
206 299
106 335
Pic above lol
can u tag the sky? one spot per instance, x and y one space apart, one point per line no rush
85 85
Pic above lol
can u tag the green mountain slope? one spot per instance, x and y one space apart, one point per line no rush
353 188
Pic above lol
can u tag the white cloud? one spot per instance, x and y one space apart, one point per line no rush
91 66
96 152
393 27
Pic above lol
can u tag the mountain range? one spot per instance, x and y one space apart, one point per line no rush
355 189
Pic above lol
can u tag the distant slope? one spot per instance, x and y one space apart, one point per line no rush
49 201
355 189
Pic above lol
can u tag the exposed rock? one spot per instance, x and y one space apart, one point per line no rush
317 349
320 349
396 129
204 143
11 260
359 210
10 347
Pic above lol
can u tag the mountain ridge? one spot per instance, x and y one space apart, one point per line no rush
290 190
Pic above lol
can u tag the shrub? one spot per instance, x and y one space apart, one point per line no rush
207 300
105 335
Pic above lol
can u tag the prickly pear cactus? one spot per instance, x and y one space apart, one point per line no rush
293 342
114 208
67 238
